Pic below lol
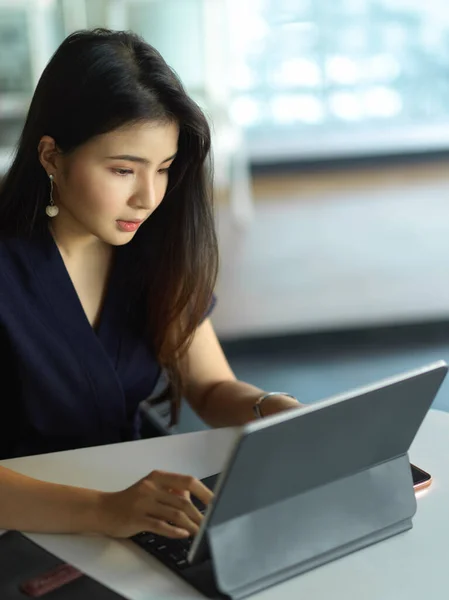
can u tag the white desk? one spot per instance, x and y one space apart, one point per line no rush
409 566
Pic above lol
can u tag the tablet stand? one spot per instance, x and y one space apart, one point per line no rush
265 547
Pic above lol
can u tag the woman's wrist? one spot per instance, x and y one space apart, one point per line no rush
83 507
92 518
102 514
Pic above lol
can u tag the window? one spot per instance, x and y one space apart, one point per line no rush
29 32
317 79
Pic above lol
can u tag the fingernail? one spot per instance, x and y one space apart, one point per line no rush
183 532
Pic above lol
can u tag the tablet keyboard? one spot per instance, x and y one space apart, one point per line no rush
173 552
167 550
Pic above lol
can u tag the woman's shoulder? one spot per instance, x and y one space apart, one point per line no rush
19 258
9 241
11 248
8 250
23 244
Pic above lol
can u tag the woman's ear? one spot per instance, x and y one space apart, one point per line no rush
49 155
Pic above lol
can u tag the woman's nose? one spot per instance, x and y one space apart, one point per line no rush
147 197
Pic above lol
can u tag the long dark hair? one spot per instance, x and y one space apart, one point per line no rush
97 81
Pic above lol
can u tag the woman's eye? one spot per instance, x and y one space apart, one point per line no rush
122 172
164 170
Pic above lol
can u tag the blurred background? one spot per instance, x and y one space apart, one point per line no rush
331 136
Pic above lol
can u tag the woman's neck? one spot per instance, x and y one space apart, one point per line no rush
76 245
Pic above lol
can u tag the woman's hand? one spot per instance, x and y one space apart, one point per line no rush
159 503
277 404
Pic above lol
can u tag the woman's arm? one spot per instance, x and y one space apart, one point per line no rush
213 390
160 502
28 504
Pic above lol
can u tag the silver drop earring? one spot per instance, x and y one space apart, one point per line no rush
51 209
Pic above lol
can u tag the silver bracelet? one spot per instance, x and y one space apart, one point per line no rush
257 405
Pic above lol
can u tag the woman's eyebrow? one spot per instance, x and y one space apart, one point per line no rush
139 159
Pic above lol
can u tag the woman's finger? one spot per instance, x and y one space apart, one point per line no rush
174 516
182 503
182 483
162 527
184 493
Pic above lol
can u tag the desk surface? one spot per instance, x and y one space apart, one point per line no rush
409 566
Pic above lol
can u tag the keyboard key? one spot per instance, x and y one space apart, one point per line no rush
173 551
144 537
150 541
175 557
142 534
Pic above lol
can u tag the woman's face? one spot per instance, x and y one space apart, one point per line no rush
111 184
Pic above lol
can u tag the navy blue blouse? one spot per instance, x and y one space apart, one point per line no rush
65 384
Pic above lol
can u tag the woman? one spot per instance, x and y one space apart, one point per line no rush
108 261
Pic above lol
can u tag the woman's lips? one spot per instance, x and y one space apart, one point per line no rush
129 226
